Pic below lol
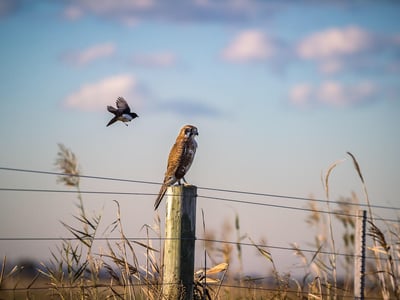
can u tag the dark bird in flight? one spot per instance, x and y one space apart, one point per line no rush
179 160
122 112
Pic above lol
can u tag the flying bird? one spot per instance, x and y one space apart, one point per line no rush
122 112
179 160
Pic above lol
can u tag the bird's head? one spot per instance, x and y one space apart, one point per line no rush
189 131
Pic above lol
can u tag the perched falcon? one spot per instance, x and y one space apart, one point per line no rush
122 112
179 160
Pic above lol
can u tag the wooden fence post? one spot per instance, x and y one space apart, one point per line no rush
359 258
180 235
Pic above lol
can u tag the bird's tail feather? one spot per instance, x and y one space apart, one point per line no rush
113 120
160 196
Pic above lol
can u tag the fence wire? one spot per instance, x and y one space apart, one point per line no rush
202 195
224 199
248 193
235 243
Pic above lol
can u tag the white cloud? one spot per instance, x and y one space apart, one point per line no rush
336 94
333 94
96 96
344 49
90 54
160 59
334 42
249 45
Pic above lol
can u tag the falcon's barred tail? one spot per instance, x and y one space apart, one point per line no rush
161 194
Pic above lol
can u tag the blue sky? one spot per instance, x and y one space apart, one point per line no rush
278 92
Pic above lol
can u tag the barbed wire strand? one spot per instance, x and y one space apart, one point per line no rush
199 187
337 213
75 192
201 196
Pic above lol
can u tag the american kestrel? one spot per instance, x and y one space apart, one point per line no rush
122 112
179 160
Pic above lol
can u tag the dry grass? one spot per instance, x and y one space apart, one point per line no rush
79 271
383 275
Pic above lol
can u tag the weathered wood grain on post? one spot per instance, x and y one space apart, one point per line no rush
180 235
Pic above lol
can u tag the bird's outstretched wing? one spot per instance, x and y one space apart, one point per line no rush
112 109
123 105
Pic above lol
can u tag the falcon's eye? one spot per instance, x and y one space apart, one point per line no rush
194 131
